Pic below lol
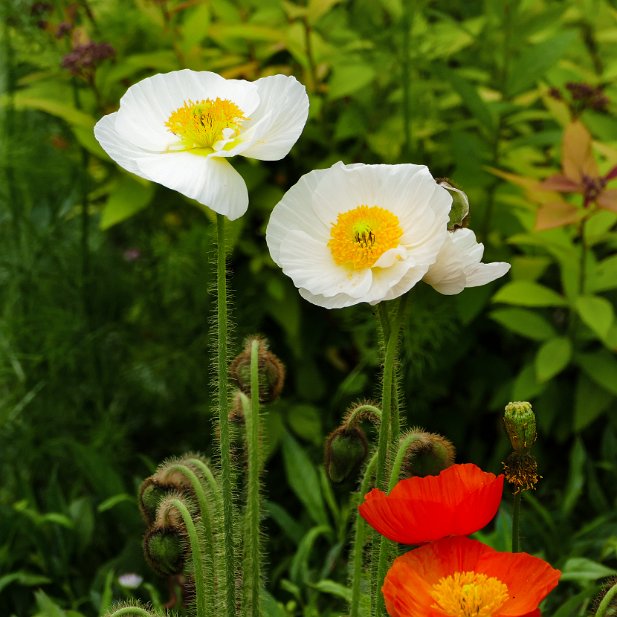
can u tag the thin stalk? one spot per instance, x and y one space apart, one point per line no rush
358 414
130 610
607 602
406 77
223 411
211 480
358 541
252 574
201 604
516 518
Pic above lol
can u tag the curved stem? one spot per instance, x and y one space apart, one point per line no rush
516 516
358 541
404 444
607 602
130 610
358 413
223 413
210 479
201 602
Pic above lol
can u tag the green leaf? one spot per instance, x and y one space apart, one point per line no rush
601 367
70 114
48 607
114 500
552 357
536 60
469 95
305 421
526 385
524 322
299 568
605 275
597 313
583 570
589 402
528 293
334 589
576 477
303 479
23 578
128 198
349 78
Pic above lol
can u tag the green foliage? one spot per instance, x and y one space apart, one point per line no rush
104 278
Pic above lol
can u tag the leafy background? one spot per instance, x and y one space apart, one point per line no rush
105 280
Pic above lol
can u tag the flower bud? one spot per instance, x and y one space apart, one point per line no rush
520 422
428 454
150 495
459 212
271 371
164 550
345 451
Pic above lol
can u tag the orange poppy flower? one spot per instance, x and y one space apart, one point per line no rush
460 577
460 500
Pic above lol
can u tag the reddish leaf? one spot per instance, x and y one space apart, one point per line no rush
556 214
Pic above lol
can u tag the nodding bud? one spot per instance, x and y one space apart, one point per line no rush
520 422
427 454
236 411
459 212
165 550
345 451
151 493
271 371
521 471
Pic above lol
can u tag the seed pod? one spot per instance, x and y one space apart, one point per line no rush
520 422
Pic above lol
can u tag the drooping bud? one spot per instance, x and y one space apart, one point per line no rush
271 371
165 550
427 454
520 422
459 212
150 495
345 450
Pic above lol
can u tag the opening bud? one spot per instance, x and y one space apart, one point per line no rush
271 371
459 212
345 451
427 454
520 423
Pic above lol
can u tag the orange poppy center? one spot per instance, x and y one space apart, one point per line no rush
469 594
359 237
203 124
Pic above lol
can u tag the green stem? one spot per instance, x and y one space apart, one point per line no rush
516 516
359 412
202 607
358 541
606 603
404 444
130 610
252 573
206 518
223 404
210 479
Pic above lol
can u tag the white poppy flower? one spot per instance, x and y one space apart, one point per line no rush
359 233
179 128
459 265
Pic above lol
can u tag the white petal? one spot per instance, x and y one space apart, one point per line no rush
309 264
211 181
276 125
147 105
485 273
119 149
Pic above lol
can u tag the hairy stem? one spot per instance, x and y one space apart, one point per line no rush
357 547
223 413
607 602
130 610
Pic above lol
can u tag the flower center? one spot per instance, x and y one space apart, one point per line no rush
210 124
469 594
359 237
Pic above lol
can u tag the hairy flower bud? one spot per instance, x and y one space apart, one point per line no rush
165 550
520 422
427 454
271 371
345 451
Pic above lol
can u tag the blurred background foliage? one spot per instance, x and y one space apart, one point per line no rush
105 303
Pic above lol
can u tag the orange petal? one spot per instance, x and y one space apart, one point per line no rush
461 500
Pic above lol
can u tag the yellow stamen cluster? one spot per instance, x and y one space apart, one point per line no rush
521 472
469 594
200 124
359 237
